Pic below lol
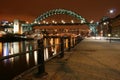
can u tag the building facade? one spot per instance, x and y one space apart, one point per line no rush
110 27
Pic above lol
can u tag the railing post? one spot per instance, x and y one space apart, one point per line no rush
41 64
69 43
73 42
62 47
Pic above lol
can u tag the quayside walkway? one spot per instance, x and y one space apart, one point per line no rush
89 60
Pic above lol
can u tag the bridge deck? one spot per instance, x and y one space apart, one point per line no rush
89 60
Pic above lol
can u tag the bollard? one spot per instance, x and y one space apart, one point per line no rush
62 47
41 64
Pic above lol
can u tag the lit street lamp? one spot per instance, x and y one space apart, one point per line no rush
110 31
111 12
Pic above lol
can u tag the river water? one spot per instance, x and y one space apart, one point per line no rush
9 68
14 66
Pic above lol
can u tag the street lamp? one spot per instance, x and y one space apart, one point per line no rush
111 12
104 28
109 35
110 30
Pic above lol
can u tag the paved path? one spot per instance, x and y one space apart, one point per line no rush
89 60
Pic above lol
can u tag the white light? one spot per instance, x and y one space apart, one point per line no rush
109 35
11 23
97 23
35 22
104 23
111 11
53 21
72 21
28 22
47 22
63 21
82 21
91 21
44 22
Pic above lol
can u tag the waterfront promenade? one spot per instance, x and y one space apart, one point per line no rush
89 60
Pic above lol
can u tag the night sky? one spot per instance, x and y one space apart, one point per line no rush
29 9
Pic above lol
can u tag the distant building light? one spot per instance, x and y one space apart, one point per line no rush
97 23
91 21
27 22
47 22
44 22
53 21
109 35
82 21
104 23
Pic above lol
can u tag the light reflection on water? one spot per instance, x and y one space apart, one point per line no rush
18 47
16 65
19 64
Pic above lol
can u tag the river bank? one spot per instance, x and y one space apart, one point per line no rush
13 38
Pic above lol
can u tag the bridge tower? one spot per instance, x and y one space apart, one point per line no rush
17 27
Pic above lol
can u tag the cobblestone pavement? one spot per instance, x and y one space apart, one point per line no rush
89 60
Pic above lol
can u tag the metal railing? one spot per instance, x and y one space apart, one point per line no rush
63 45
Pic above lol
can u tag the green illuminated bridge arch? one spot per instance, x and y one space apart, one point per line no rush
59 11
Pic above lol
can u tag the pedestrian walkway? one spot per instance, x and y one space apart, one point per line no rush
89 60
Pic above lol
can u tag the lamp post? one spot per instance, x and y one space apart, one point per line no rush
109 35
111 13
110 30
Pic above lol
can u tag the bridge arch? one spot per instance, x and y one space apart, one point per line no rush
59 11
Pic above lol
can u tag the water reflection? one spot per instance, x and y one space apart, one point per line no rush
35 57
18 47
0 49
27 58
19 64
46 54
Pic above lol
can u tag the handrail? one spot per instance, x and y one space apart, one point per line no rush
40 51
26 52
17 54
